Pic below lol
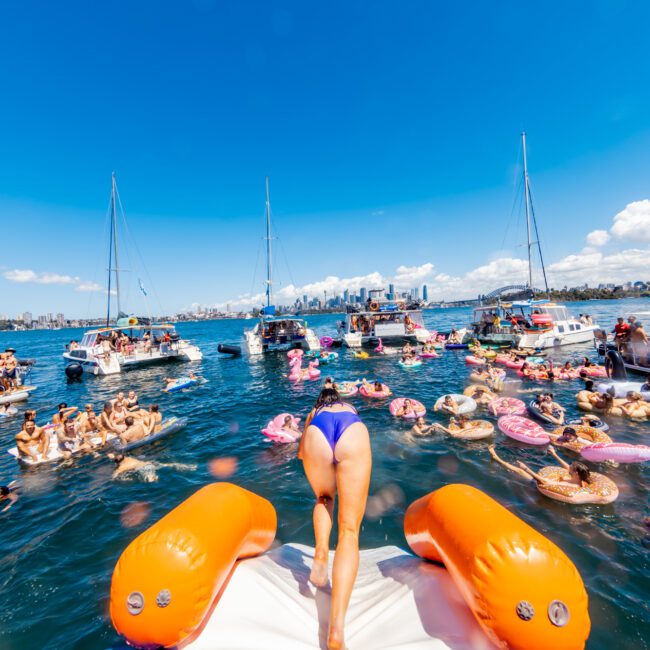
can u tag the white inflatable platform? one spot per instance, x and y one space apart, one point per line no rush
399 602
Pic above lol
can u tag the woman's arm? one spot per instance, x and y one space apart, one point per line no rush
555 455
502 462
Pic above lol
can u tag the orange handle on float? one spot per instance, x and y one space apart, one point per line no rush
167 578
523 590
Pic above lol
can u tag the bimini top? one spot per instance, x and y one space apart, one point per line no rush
533 303
282 319
119 328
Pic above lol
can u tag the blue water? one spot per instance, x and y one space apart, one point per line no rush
61 540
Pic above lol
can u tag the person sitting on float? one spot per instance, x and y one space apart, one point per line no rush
406 409
288 426
454 337
449 405
552 410
635 407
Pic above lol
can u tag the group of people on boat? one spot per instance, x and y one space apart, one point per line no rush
73 429
632 340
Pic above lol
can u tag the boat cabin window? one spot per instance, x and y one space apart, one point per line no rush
560 328
88 340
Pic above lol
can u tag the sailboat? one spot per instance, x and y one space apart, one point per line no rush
104 351
275 332
530 323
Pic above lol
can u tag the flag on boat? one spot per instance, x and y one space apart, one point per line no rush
142 287
268 311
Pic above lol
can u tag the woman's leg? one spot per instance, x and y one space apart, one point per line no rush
352 481
318 463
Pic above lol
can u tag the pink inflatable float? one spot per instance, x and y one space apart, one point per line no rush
523 430
377 394
275 432
592 371
507 406
296 352
418 408
313 372
429 355
620 452
474 361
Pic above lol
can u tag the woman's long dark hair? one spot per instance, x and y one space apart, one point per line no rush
327 397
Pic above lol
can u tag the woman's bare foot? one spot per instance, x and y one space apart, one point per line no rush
319 575
335 638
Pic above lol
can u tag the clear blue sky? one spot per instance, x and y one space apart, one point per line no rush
390 132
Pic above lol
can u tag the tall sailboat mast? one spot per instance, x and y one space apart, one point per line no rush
269 258
112 252
528 229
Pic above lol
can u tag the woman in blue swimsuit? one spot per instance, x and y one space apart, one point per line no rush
335 451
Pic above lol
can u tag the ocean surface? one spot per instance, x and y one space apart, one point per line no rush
60 541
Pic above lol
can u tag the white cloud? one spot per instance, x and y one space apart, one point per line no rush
91 286
633 222
410 276
598 238
27 275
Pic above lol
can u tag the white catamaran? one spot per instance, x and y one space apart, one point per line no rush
530 323
379 318
129 343
274 332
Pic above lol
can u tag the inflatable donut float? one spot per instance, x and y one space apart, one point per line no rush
465 404
507 406
347 388
418 408
523 430
375 394
620 452
476 430
601 490
586 436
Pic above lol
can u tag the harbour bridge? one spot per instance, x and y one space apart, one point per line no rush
510 288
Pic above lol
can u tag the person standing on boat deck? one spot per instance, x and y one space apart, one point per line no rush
639 343
336 455
621 330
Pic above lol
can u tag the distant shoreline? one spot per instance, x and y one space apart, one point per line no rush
571 295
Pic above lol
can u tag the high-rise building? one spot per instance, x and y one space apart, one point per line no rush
27 318
304 299
60 319
49 317
346 296
391 289
363 294
425 293
415 293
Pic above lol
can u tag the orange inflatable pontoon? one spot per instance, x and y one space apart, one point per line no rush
175 585
523 590
167 578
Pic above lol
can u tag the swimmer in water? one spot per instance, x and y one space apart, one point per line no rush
8 409
8 495
129 467
421 428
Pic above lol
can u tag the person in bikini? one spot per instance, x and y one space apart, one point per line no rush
336 455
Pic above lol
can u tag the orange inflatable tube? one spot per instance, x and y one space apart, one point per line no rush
523 590
167 578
